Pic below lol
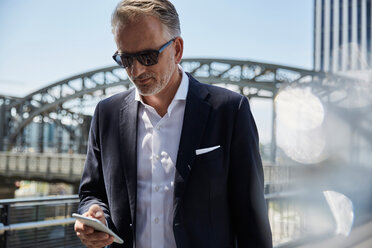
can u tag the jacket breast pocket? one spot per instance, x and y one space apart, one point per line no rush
210 163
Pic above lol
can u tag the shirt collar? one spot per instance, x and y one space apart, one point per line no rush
181 93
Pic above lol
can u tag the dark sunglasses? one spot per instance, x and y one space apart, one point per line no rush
147 57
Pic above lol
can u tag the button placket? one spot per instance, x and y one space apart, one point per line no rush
157 204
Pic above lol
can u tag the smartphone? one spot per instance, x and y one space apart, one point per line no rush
97 225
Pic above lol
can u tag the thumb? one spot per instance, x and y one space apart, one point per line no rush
95 211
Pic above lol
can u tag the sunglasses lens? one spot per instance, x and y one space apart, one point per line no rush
117 59
127 61
148 58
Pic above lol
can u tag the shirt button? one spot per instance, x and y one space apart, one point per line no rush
158 127
157 157
156 220
157 188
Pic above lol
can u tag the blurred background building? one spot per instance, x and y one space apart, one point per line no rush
342 35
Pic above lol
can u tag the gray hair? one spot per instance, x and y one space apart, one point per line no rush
164 10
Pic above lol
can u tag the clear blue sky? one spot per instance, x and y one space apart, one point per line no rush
42 41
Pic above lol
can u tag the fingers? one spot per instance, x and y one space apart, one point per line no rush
95 236
92 238
80 227
95 239
88 235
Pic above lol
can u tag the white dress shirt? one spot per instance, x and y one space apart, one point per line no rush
157 148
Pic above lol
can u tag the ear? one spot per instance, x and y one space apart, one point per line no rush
178 45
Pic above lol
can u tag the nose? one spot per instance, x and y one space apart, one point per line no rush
137 68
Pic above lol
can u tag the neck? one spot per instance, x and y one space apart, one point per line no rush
160 102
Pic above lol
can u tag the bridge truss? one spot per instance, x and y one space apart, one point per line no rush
65 103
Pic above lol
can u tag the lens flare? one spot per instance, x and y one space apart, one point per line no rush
299 109
342 211
299 121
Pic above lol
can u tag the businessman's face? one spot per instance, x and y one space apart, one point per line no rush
143 34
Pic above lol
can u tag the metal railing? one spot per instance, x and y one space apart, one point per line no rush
69 167
43 222
46 221
42 166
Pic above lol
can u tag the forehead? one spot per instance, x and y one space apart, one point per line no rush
144 32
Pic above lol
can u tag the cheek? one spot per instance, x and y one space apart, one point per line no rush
129 73
166 71
160 69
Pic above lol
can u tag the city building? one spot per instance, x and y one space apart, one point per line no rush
342 35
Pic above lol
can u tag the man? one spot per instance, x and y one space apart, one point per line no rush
173 162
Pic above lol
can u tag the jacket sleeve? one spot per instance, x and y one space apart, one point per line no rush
246 183
92 187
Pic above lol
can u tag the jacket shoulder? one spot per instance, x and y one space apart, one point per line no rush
116 101
218 96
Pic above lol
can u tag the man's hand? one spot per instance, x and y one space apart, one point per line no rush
90 237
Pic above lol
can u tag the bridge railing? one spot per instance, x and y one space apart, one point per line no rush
69 167
41 222
288 207
45 167
46 221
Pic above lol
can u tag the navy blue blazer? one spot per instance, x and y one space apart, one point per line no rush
218 196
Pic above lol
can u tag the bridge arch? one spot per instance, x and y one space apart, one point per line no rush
250 78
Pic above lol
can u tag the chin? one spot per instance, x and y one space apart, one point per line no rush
151 91
148 92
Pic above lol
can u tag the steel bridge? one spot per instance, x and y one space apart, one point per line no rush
63 102
43 135
56 118
62 110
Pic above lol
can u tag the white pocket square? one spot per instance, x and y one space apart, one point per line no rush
205 150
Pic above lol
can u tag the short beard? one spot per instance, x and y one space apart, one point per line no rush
154 87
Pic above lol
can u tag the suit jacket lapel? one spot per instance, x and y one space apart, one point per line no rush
195 120
128 140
